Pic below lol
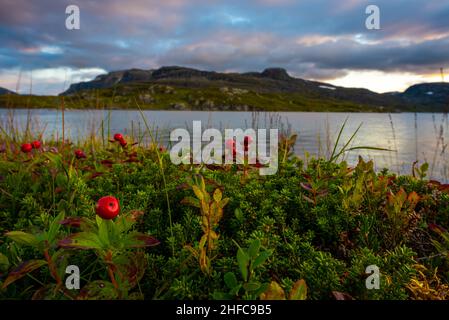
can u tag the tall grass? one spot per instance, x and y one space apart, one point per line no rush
164 180
339 145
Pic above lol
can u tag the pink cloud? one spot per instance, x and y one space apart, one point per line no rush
276 2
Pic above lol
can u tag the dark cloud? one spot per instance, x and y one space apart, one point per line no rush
317 39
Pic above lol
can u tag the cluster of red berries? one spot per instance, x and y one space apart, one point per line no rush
119 138
79 154
230 144
28 147
107 207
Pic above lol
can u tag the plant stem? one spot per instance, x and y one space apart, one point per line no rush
52 268
161 167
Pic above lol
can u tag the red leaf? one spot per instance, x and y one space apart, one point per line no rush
146 241
107 163
72 222
96 174
22 270
341 296
444 188
436 228
306 186
308 199
81 240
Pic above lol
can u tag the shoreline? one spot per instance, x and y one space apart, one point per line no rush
212 110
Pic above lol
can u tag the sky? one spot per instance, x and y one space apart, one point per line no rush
324 40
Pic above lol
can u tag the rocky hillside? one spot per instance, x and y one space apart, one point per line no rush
5 91
430 95
272 81
180 88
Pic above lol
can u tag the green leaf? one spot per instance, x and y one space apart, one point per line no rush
224 202
263 288
4 262
54 158
124 223
191 201
131 268
139 240
299 291
199 194
203 184
103 230
54 227
239 214
62 259
48 292
273 292
98 290
253 249
369 148
243 262
252 286
263 256
23 238
81 240
22 270
230 280
424 167
217 195
235 291
338 139
113 231
221 296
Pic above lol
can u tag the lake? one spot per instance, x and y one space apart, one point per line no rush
421 136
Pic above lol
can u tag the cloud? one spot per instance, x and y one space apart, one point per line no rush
317 53
381 81
312 39
48 81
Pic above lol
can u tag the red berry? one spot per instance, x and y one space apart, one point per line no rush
26 147
36 144
108 207
246 142
118 137
258 164
123 142
79 154
230 144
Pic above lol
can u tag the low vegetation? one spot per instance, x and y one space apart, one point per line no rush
180 97
213 232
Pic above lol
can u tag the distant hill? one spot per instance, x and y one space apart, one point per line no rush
430 95
5 91
272 86
273 89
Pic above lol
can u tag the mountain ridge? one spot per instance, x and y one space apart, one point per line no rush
5 91
270 80
273 89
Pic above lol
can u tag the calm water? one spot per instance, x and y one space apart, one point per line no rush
414 137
